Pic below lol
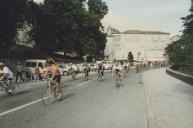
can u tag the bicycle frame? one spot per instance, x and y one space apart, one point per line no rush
3 85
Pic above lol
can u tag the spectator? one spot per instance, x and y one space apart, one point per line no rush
19 70
37 74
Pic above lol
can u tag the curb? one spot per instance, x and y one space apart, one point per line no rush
181 76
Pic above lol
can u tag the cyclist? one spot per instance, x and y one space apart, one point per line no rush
101 69
86 69
53 71
116 71
7 76
125 68
72 70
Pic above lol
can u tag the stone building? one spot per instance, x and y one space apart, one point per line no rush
145 45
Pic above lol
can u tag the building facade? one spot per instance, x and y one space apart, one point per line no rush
144 45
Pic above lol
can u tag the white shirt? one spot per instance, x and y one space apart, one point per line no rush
117 67
74 67
8 72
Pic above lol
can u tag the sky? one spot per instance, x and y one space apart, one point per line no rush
147 15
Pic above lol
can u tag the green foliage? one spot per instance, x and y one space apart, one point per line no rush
12 15
68 26
98 8
181 51
57 25
188 22
130 57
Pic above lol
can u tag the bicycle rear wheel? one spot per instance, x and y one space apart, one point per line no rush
48 96
117 83
15 88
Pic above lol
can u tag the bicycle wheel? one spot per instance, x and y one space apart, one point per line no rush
15 88
117 83
48 96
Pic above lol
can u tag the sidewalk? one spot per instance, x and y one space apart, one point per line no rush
170 99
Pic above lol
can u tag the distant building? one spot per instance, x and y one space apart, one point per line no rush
145 45
23 38
175 38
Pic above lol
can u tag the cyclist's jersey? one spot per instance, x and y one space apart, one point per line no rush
117 68
53 70
7 72
125 66
85 67
73 68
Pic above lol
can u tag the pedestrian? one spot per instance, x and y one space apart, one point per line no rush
19 70
37 74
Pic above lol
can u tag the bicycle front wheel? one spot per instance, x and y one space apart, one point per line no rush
47 96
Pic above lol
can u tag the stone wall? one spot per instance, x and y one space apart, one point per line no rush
184 77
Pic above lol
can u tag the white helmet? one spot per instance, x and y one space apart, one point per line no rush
2 64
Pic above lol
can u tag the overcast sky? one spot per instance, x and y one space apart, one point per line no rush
153 15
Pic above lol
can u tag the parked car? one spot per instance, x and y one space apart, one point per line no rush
64 69
75 67
31 64
93 67
107 65
80 66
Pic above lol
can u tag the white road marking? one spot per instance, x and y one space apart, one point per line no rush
36 101
20 107
83 84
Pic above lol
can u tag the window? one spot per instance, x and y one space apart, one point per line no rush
27 64
33 64
40 65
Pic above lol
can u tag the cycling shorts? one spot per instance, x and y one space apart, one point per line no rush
57 78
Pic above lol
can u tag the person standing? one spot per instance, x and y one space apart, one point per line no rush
37 74
19 70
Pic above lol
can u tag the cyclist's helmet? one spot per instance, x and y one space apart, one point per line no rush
50 60
2 64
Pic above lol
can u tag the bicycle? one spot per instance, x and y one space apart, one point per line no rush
118 80
73 75
49 94
85 75
13 87
100 75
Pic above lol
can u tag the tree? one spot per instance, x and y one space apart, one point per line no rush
188 22
130 57
57 25
180 53
12 16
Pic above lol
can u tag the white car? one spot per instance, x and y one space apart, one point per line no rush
107 65
93 67
31 64
64 69
75 67
80 67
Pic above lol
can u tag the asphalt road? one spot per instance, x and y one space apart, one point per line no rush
89 104
151 99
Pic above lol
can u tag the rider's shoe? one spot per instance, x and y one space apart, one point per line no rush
59 96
